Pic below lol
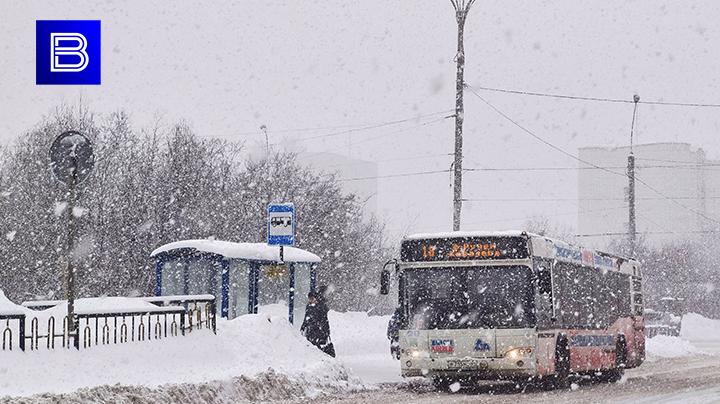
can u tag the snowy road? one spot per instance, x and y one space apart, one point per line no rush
687 380
682 369
674 372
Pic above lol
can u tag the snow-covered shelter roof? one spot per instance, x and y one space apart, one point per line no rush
247 251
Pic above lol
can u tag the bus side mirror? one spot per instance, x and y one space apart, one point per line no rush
384 282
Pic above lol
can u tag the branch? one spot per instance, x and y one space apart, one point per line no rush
454 3
468 5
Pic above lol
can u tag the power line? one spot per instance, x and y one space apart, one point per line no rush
580 200
322 128
427 156
648 232
688 167
529 132
395 175
432 122
596 99
538 138
523 169
312 129
676 161
369 127
549 216
415 157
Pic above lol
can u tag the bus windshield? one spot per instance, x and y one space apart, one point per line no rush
469 297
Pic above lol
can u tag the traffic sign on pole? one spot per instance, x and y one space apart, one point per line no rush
71 160
281 224
71 157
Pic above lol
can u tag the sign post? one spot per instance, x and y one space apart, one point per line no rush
281 226
71 160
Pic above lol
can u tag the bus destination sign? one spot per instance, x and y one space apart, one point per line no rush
464 248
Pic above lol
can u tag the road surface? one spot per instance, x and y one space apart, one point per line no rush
693 379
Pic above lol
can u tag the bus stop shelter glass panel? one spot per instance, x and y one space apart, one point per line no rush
201 277
302 288
173 278
238 292
273 290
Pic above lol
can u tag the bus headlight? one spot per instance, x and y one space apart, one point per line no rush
517 353
414 352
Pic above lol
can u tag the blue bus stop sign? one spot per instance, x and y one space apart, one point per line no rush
281 224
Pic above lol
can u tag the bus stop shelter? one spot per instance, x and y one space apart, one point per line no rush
248 277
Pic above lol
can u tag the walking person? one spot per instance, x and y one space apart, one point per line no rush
393 332
315 326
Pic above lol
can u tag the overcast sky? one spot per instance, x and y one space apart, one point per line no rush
229 68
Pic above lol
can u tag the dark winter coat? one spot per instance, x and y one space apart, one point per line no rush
316 327
393 328
393 332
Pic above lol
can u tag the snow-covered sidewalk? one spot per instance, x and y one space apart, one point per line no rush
250 346
246 346
253 357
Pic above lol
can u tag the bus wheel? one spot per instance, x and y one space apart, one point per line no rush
617 373
442 383
561 379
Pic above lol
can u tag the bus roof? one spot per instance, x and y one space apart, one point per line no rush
461 234
246 251
546 247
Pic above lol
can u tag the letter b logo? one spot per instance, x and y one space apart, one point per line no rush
67 52
78 51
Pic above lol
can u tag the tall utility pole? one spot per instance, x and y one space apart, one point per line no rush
461 10
632 229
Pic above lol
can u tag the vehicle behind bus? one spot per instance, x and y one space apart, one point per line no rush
515 306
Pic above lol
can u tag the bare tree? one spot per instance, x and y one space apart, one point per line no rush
161 185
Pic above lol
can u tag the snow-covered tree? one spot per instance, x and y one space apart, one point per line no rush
164 184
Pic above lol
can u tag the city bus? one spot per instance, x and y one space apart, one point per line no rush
515 306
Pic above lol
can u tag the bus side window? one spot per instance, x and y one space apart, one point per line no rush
543 294
544 283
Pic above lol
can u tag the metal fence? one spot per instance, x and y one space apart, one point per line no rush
104 328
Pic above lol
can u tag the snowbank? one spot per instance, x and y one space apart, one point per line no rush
696 331
247 346
698 328
9 308
665 346
361 344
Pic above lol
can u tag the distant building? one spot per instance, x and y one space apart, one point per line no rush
359 176
677 170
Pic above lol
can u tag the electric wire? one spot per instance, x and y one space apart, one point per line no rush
596 99
649 232
413 174
688 198
368 127
554 147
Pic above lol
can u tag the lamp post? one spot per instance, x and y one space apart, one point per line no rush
461 10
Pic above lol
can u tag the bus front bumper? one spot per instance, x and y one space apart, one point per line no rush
480 368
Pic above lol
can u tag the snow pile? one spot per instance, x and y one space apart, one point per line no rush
698 328
9 308
665 346
98 305
361 344
247 346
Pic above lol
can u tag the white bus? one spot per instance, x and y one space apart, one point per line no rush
515 306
